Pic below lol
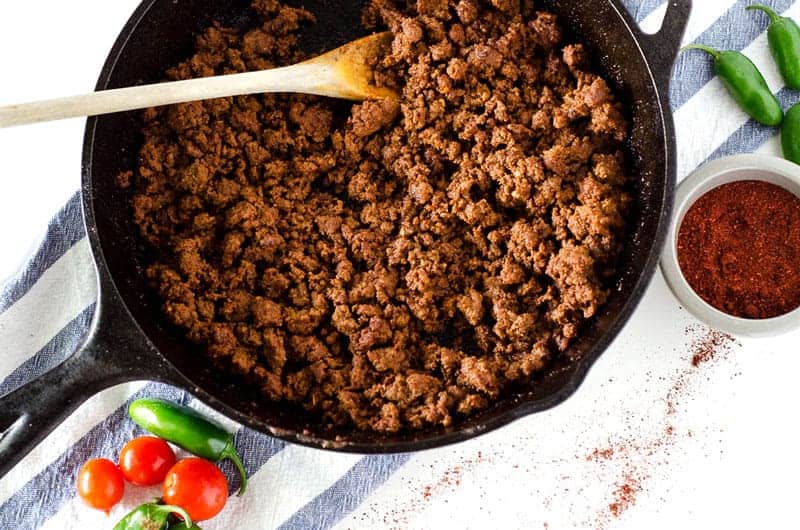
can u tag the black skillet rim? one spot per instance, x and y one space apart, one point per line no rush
493 420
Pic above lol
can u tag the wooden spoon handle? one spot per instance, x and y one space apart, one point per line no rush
309 78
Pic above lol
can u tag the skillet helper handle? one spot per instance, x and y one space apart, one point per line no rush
114 352
662 47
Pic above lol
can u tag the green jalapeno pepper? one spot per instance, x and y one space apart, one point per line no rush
188 429
746 84
151 516
790 135
783 35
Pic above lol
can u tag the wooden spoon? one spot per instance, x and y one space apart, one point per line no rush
344 72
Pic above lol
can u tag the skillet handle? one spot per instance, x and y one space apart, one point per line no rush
113 352
661 48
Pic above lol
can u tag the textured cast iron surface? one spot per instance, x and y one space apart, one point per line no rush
130 340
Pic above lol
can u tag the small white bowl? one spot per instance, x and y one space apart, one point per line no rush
722 171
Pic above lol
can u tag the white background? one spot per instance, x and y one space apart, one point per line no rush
47 49
738 469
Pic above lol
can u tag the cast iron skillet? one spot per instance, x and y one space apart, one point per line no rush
129 340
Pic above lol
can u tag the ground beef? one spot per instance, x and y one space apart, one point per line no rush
396 264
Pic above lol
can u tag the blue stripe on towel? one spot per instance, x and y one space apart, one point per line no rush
752 135
64 230
64 343
641 9
693 71
347 493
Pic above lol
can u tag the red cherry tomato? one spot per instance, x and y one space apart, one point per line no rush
100 483
197 486
145 461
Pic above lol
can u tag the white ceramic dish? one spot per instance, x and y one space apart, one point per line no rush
738 167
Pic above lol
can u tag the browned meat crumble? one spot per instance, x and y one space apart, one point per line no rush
397 264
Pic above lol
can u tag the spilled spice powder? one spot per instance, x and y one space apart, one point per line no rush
627 463
624 495
449 480
598 454
637 457
711 343
704 349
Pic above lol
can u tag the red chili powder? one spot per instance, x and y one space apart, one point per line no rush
739 249
706 348
636 457
624 495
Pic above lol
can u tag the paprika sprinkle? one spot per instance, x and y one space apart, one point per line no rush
739 249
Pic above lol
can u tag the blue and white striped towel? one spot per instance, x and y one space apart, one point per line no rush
724 458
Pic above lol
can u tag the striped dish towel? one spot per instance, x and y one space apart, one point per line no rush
649 441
